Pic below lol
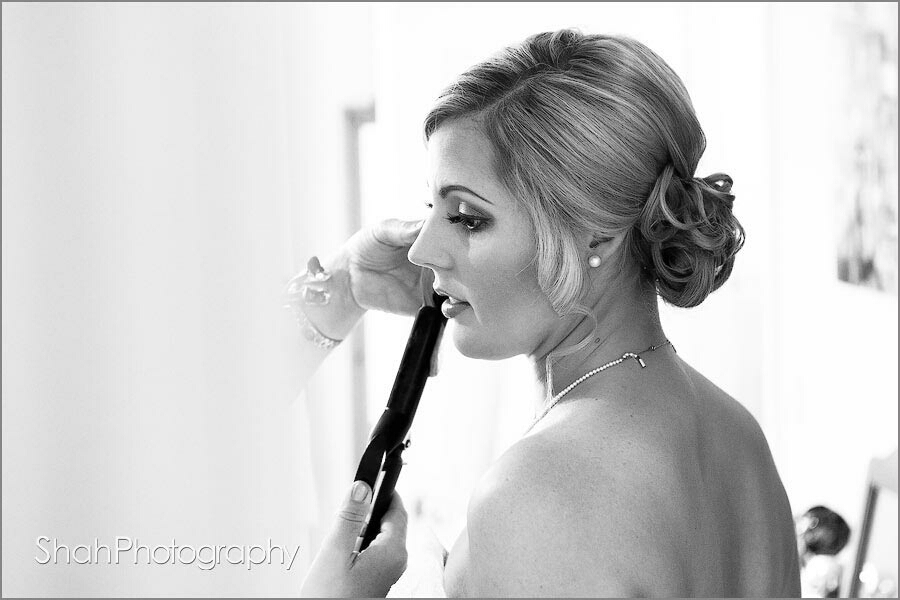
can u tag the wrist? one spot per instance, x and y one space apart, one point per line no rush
339 316
323 302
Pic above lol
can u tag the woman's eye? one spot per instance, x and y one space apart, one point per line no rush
471 223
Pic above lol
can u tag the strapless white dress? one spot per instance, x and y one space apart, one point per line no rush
424 575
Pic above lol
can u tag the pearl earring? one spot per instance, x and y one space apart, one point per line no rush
594 261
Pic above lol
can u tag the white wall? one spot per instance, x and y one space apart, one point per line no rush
166 168
326 68
833 404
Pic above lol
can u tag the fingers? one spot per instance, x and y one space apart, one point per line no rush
388 549
352 514
396 233
393 524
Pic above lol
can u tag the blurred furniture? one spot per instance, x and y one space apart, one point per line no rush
882 476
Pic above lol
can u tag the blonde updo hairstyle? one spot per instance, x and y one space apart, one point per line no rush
596 134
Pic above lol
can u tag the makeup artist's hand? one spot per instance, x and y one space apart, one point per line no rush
381 276
335 573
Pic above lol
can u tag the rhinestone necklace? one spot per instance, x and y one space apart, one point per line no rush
593 372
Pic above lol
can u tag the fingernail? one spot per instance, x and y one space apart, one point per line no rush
413 228
360 491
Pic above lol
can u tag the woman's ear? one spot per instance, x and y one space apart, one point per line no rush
599 247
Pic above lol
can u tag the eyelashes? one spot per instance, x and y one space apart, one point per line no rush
469 223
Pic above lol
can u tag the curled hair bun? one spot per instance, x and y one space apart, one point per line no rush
689 236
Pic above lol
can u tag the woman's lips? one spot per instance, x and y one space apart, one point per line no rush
451 308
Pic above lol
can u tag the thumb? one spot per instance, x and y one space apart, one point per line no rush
396 233
353 512
409 230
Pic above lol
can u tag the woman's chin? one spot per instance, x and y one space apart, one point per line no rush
475 343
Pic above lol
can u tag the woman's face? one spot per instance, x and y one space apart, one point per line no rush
480 243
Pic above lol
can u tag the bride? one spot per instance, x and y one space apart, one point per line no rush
564 203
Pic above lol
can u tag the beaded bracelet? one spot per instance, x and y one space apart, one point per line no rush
310 288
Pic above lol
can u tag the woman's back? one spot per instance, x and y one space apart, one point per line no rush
673 493
748 503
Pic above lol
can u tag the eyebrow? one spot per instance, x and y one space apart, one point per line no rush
460 188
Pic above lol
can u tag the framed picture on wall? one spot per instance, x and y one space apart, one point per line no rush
867 227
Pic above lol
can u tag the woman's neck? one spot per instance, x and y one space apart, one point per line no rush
627 320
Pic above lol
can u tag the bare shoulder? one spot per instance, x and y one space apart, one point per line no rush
742 477
635 498
556 517
726 425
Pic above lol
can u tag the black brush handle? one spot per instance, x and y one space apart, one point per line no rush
388 438
392 465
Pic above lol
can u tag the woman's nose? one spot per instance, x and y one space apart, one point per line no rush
430 248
